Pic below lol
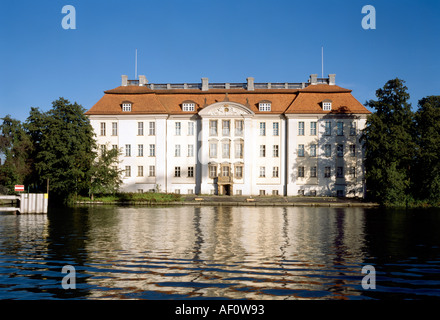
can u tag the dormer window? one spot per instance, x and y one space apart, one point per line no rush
327 105
188 106
126 106
265 106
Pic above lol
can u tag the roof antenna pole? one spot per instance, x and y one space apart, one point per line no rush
135 64
322 62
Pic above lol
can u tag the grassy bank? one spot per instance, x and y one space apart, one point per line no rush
150 197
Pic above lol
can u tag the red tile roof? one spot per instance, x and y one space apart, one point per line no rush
290 101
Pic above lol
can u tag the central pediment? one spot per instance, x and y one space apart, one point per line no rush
226 109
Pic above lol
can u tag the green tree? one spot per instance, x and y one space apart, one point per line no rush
15 148
64 148
105 177
426 175
389 143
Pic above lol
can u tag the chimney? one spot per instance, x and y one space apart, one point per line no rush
250 84
205 84
124 80
143 81
313 79
331 79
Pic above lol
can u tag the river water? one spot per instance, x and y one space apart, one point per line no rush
185 252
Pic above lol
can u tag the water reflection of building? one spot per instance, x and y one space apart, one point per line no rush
233 252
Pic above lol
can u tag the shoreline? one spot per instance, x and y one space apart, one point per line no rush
246 201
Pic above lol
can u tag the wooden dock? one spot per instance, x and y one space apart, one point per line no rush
26 203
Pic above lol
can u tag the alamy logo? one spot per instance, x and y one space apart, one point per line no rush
369 281
69 20
369 21
69 280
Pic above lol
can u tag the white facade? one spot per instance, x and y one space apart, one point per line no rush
228 148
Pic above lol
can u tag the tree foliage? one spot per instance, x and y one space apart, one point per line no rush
105 176
56 147
15 148
64 148
402 147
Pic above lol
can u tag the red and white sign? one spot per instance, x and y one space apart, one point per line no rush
19 187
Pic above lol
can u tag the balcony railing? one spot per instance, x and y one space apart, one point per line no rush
225 179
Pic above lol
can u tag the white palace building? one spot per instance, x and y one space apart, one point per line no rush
235 138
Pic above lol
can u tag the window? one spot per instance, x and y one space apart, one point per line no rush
326 105
140 128
274 192
140 171
177 150
301 128
313 150
226 128
300 150
212 127
352 172
262 150
353 128
114 128
191 128
275 172
178 128
276 152
114 146
213 149
188 106
225 171
328 128
339 172
128 150
339 193
126 107
151 171
327 172
301 192
313 172
276 129
127 171
190 191
262 172
152 128
262 128
353 150
152 150
190 172
239 172
225 149
190 150
103 148
177 191
264 106
177 171
239 149
262 192
328 150
340 126
140 150
300 172
238 192
212 171
102 128
340 150
239 128
313 128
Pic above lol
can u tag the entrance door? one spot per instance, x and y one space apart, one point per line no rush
227 189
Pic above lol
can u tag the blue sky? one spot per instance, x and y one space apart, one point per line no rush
226 41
